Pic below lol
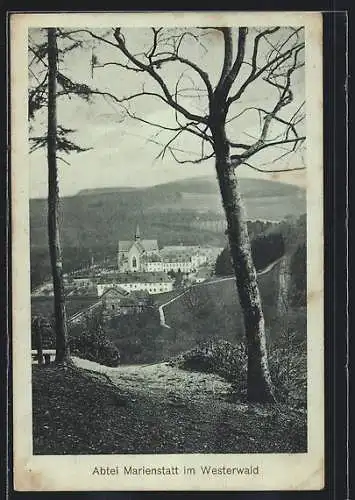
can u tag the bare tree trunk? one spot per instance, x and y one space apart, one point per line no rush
62 347
259 380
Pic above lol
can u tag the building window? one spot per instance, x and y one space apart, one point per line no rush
134 262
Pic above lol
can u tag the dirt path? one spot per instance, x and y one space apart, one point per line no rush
181 410
161 381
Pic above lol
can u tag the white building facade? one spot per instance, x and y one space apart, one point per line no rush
151 282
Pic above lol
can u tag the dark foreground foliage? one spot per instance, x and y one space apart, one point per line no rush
287 364
85 341
77 412
215 356
95 346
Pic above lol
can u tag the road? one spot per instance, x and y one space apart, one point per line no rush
161 310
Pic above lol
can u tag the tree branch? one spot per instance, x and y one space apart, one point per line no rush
150 70
257 39
254 74
228 55
174 56
285 98
238 145
171 148
265 171
120 65
230 77
62 159
242 35
198 160
38 55
93 35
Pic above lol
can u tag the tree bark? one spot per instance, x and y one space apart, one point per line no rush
62 346
259 380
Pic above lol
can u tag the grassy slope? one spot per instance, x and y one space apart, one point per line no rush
206 311
44 305
214 309
76 413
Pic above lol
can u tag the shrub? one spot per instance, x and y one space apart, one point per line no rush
215 356
288 370
288 367
95 346
136 336
42 326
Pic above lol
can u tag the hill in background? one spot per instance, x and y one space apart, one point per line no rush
168 212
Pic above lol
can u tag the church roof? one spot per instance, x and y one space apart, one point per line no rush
129 301
181 248
176 258
146 245
143 277
149 245
124 246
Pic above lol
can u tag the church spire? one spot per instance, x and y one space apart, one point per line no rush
137 236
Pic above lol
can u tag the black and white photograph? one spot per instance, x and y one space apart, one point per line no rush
168 326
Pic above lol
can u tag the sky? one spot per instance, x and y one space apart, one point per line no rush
124 151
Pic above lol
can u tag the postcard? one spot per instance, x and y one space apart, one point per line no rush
167 243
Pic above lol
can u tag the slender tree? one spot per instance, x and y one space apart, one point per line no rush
45 94
270 57
62 345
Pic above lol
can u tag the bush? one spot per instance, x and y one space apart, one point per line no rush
95 346
288 367
42 326
215 356
135 336
288 370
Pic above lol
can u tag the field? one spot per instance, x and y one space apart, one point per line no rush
44 305
214 307
162 298
213 311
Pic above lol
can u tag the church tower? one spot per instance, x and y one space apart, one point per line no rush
137 235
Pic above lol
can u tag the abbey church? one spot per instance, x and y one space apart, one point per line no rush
144 256
133 254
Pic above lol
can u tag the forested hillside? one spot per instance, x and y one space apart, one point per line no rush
187 211
166 211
